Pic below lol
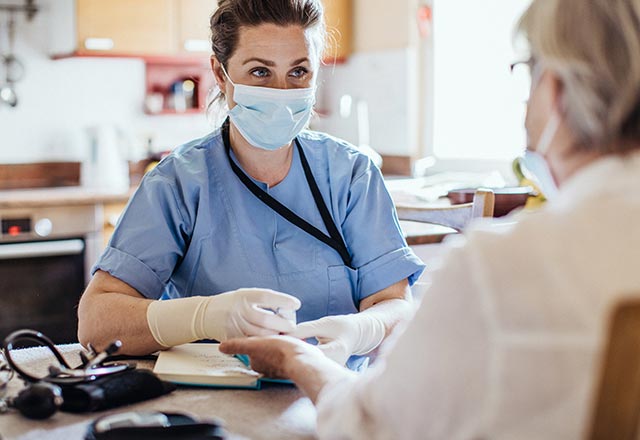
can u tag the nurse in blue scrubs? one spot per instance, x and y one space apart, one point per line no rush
260 225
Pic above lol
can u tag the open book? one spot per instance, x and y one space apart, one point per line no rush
205 365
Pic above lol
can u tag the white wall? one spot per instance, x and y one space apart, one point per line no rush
478 105
386 81
58 99
384 71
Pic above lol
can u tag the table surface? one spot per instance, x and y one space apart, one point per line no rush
275 412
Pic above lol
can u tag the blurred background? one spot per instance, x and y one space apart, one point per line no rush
411 79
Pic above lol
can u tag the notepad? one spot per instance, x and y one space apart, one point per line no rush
204 365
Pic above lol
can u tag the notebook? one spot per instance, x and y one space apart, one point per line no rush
204 365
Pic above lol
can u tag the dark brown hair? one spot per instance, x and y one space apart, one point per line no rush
231 15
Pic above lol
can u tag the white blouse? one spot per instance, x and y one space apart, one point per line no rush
506 342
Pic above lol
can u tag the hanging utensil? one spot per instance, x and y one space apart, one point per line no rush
14 69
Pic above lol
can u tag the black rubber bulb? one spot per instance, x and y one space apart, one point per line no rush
38 401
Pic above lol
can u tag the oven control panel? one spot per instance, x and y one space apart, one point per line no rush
48 223
15 227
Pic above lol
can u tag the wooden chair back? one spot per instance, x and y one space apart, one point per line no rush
616 409
453 216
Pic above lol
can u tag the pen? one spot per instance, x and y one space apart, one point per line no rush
287 314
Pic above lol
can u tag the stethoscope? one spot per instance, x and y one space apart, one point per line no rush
43 395
92 367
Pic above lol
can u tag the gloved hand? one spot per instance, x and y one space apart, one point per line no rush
341 336
239 313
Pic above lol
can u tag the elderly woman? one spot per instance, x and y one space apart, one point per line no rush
506 342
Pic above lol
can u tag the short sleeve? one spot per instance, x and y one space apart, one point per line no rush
373 235
152 234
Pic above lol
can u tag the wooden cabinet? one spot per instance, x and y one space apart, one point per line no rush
125 26
135 27
339 19
164 27
193 25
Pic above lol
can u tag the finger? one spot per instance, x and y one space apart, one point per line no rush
272 299
236 346
321 328
253 330
267 319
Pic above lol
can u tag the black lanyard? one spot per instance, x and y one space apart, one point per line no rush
334 239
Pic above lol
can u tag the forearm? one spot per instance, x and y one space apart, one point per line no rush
390 306
390 312
107 316
111 309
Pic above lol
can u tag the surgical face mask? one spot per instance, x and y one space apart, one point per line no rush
535 162
270 118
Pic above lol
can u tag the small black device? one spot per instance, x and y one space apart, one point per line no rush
135 425
95 384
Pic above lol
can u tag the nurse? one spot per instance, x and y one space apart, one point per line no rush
234 232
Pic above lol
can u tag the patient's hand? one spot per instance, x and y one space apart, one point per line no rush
289 358
273 356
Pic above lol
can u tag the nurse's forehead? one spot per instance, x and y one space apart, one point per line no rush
272 42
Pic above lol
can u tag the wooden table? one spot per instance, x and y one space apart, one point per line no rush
275 412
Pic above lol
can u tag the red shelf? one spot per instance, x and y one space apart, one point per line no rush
162 73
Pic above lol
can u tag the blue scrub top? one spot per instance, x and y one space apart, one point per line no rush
192 228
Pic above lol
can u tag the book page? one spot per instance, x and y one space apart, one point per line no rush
202 363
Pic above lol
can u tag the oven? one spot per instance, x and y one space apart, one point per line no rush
45 257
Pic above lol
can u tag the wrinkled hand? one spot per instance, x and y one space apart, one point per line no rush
252 312
343 335
272 356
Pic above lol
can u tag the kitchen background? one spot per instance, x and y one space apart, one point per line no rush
60 99
109 84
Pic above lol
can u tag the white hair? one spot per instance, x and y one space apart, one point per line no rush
594 48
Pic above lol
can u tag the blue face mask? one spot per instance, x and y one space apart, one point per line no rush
270 118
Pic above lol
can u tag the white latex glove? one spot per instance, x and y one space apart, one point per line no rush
239 313
341 336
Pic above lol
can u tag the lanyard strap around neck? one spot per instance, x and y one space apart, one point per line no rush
334 239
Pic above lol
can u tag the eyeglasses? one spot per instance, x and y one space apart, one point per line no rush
529 63
522 74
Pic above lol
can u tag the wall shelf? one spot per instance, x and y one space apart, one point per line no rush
176 88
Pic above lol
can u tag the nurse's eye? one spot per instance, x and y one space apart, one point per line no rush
260 72
299 72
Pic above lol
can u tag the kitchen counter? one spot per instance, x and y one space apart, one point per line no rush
415 233
67 196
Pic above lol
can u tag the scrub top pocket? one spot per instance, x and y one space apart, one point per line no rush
343 283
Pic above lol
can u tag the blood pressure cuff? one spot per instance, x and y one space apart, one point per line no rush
179 426
114 390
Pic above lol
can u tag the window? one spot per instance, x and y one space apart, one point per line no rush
476 110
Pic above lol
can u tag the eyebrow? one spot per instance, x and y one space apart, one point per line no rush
271 63
259 60
300 61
